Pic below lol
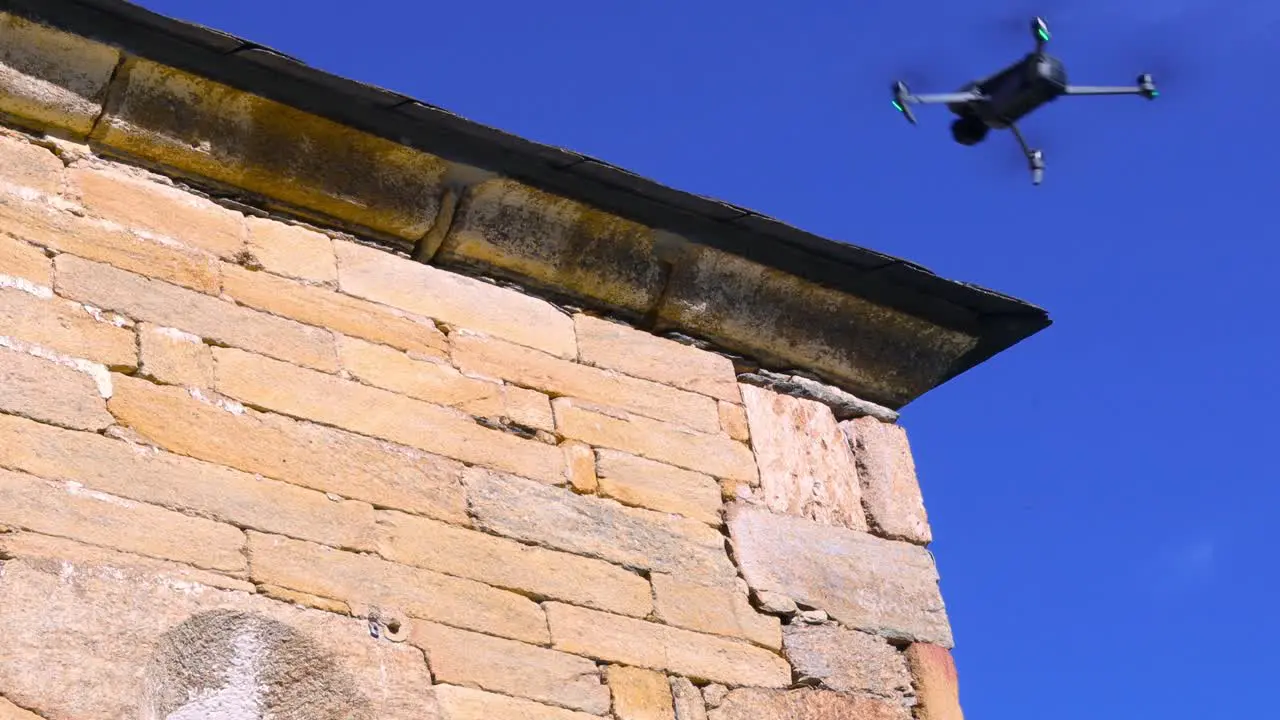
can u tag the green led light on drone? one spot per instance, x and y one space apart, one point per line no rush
1044 34
897 106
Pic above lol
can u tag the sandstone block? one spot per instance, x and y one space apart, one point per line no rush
733 421
464 703
103 642
21 261
648 484
712 454
302 599
585 525
28 166
44 389
641 354
719 610
181 483
52 79
434 382
581 460
689 704
805 704
531 368
460 301
528 407
640 694
305 454
527 569
459 657
9 711
890 491
933 671
66 328
174 357
325 308
364 580
68 509
628 641
137 203
880 586
714 694
163 304
806 466
292 250
847 660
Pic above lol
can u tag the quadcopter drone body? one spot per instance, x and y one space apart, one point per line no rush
999 101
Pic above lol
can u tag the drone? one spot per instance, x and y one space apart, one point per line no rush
1000 100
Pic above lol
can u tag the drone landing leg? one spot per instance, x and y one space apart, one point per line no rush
1035 158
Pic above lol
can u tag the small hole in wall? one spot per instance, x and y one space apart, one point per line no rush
394 626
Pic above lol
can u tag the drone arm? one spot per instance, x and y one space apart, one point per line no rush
944 98
1103 90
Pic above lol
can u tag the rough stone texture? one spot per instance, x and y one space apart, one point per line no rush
623 348
712 454
640 694
20 260
846 660
881 586
933 671
27 166
292 250
66 328
733 420
581 460
639 482
689 704
301 453
504 563
806 466
628 641
158 302
9 711
890 491
463 703
775 603
813 617
172 356
323 307
108 641
585 525
514 230
205 129
528 407
434 382
69 510
363 580
844 405
454 299
805 704
49 391
51 78
719 610
490 357
295 391
714 694
458 657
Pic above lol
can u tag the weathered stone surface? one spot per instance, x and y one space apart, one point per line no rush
640 354
805 704
640 694
459 657
305 454
714 694
491 357
639 482
464 703
364 580
933 671
528 407
887 472
733 421
109 641
181 483
715 609
292 250
454 299
203 128
70 510
628 641
806 466
44 389
775 603
434 382
712 454
26 165
813 617
326 308
51 78
581 460
174 357
689 704
163 304
66 328
504 563
306 600
20 260
512 229
9 711
881 586
585 525
844 405
295 391
846 660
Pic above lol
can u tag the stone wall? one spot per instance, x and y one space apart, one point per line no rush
252 468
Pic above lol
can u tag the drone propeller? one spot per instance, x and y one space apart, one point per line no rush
900 102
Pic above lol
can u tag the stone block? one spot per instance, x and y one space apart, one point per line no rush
581 460
640 694
434 382
66 328
174 357
887 472
933 671
23 262
805 704
464 703
733 421
847 660
292 251
52 389
619 347
26 167
716 609
639 482
689 704
52 79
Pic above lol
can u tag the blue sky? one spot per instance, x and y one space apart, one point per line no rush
1101 494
